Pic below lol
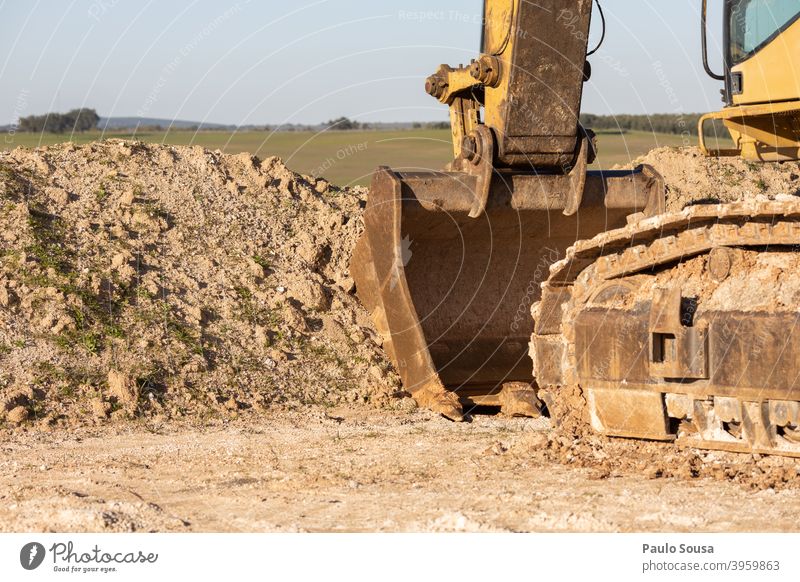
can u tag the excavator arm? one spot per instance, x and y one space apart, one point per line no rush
531 94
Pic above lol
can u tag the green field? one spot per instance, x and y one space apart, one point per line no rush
349 157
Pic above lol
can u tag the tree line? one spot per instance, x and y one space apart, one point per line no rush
679 124
85 119
75 120
345 124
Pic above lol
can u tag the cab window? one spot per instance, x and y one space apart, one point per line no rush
754 22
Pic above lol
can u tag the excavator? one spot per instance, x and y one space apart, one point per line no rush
517 275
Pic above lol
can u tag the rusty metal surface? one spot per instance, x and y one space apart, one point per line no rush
377 267
539 104
451 294
529 82
716 377
520 399
628 413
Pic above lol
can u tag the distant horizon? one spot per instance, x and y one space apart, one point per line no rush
166 120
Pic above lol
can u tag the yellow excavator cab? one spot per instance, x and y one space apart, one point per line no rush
761 40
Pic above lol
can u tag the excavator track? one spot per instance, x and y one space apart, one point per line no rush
682 327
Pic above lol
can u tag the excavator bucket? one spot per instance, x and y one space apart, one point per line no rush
451 294
450 262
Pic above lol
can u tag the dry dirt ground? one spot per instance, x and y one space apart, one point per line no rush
349 469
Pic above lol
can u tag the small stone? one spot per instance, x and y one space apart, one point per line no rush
119 260
127 198
294 318
100 408
406 405
117 230
59 196
17 415
123 387
321 186
309 253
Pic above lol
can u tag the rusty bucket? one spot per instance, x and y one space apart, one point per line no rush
451 294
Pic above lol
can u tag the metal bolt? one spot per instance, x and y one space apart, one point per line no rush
435 86
430 86
719 263
469 147
486 70
475 70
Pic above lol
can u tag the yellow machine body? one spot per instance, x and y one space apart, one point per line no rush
762 81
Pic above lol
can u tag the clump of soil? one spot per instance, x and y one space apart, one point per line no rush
692 178
140 279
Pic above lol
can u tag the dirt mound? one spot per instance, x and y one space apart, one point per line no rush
692 178
141 279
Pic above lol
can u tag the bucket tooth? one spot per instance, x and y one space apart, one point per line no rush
520 399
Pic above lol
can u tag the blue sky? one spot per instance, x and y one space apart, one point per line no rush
270 61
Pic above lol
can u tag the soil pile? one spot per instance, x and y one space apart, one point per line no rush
692 178
140 279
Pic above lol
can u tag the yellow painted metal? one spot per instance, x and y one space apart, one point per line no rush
772 75
498 26
500 39
768 132
527 81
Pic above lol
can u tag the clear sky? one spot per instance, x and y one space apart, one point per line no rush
306 61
